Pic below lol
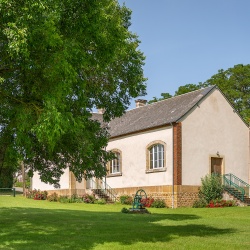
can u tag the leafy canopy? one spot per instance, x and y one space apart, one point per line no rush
235 84
59 60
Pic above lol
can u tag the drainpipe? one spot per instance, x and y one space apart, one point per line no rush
172 164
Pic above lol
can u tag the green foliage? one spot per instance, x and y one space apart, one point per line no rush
64 199
19 184
53 197
125 210
158 203
37 194
100 201
87 198
126 199
210 193
163 97
211 187
221 203
8 159
200 203
6 177
60 60
75 199
233 82
187 88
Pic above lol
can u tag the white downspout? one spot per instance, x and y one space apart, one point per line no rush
172 165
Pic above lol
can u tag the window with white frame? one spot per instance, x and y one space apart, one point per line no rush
115 165
156 155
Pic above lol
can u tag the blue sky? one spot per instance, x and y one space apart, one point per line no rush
188 41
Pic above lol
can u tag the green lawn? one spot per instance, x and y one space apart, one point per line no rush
28 224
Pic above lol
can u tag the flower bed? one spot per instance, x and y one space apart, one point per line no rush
220 203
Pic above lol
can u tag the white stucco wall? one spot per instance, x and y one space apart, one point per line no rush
38 184
214 127
133 148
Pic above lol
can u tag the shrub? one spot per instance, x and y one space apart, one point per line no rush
75 199
125 210
200 203
37 194
147 202
100 201
210 193
126 199
53 197
211 188
87 198
158 203
64 199
220 203
19 184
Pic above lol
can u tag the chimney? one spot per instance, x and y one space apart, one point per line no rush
140 103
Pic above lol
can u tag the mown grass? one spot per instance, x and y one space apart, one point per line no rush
28 224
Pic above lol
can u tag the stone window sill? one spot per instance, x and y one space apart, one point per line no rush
156 170
114 175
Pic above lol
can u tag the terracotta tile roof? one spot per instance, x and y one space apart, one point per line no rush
155 114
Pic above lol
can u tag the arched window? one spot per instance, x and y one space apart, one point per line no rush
157 156
115 165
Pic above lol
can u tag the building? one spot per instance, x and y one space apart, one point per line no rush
166 148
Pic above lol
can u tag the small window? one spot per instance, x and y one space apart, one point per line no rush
115 165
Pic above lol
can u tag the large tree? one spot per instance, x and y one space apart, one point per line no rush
163 97
235 84
59 60
187 88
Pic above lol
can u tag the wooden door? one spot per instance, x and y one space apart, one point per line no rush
216 165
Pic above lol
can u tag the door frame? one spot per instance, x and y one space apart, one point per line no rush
222 163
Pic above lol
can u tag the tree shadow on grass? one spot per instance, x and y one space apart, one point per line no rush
32 228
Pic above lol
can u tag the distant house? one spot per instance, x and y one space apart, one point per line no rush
166 148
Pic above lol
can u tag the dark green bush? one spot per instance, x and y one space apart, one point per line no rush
158 203
75 199
200 203
211 187
125 210
64 199
126 199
